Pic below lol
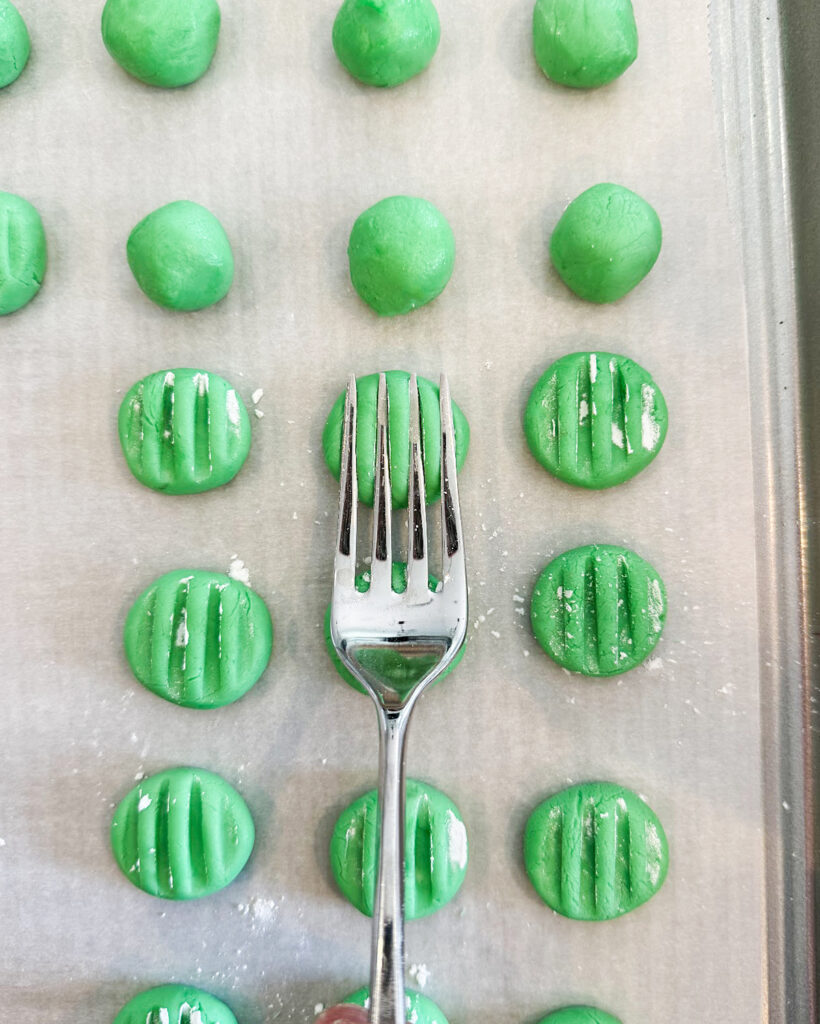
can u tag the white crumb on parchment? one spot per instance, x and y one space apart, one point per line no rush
239 571
420 973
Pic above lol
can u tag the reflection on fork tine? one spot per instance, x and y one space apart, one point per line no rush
418 590
381 567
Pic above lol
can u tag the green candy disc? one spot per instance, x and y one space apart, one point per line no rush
184 431
584 44
22 253
199 639
606 242
401 254
175 1004
419 1009
386 664
579 1015
595 851
167 43
181 257
182 834
598 610
367 389
15 44
435 855
385 42
595 419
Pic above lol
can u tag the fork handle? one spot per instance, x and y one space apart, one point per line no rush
387 1004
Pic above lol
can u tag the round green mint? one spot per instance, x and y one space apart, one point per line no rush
420 1009
595 419
181 256
577 1015
199 639
15 45
162 42
385 42
606 242
386 664
182 834
598 610
22 252
584 44
594 852
183 431
435 855
401 254
367 389
174 1004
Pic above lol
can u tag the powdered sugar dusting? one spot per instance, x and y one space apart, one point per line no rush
456 840
650 428
232 407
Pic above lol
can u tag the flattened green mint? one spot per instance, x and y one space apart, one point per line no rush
577 1015
400 672
182 834
181 256
22 253
385 42
15 44
435 856
167 43
184 431
584 43
175 1004
606 242
420 1009
199 639
598 610
367 389
595 419
594 852
401 254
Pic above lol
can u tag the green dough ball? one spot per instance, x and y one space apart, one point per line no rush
595 419
22 252
594 852
199 639
388 665
606 242
15 45
184 431
174 1004
385 42
577 1015
584 43
162 42
401 254
367 389
435 855
420 1009
181 256
598 610
182 834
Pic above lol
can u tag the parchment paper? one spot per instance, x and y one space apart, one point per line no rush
287 150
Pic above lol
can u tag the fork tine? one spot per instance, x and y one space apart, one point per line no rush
381 569
418 590
345 560
452 541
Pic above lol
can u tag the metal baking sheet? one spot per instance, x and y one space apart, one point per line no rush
287 150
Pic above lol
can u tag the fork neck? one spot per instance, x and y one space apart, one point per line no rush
387 1005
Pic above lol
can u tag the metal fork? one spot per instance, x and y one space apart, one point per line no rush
424 626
